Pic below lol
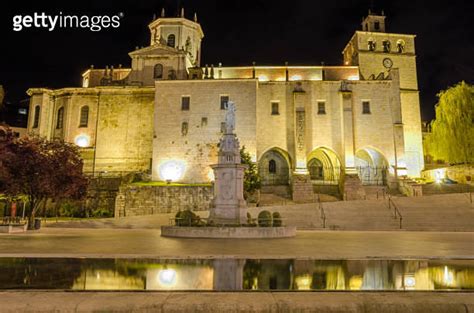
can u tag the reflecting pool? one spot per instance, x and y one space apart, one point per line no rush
235 274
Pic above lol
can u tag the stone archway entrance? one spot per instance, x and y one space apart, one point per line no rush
274 168
372 167
324 166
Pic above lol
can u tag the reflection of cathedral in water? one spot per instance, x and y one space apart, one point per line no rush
236 274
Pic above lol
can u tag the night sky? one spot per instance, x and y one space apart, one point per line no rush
237 33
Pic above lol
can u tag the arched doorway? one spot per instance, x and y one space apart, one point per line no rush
324 166
372 167
274 168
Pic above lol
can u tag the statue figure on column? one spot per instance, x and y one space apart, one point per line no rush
230 118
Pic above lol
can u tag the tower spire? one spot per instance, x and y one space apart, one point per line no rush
195 17
162 12
182 12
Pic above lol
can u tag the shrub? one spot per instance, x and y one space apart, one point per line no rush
250 220
265 219
187 218
71 210
276 219
101 212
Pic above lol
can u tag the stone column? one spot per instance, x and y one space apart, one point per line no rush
348 131
302 188
352 188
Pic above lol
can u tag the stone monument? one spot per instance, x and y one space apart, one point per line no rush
229 205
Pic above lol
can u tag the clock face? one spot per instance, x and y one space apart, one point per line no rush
387 63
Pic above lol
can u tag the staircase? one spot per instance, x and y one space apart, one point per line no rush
449 212
360 215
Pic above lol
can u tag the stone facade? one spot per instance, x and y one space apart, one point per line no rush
320 121
145 200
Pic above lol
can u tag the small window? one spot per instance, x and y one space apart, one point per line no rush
184 128
365 107
275 110
36 117
377 25
171 40
400 46
371 45
185 102
321 107
386 46
84 119
223 127
272 167
158 71
203 121
60 118
224 100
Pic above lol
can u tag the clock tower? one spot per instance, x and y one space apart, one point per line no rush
376 52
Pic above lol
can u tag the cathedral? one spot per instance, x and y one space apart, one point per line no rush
303 125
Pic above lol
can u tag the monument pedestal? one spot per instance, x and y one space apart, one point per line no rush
229 205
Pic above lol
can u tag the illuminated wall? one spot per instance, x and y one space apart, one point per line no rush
187 139
121 133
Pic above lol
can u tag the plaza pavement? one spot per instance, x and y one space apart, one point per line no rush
307 244
237 302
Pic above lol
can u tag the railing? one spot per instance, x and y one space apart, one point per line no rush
383 193
17 220
322 214
396 211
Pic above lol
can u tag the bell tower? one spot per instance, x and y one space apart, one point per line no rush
377 52
178 33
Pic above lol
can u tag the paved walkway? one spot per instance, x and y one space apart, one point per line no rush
307 244
251 302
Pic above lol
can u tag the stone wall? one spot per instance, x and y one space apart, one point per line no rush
144 200
463 174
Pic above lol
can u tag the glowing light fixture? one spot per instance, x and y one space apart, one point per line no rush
439 175
167 277
353 77
263 78
82 140
172 170
409 281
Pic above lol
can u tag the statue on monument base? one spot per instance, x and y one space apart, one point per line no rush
229 205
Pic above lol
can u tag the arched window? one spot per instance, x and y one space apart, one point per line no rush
171 40
158 71
272 167
84 119
386 46
400 46
36 117
60 118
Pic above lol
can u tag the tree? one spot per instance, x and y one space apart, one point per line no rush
40 170
252 181
2 96
452 132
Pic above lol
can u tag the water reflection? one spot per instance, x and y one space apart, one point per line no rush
234 274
